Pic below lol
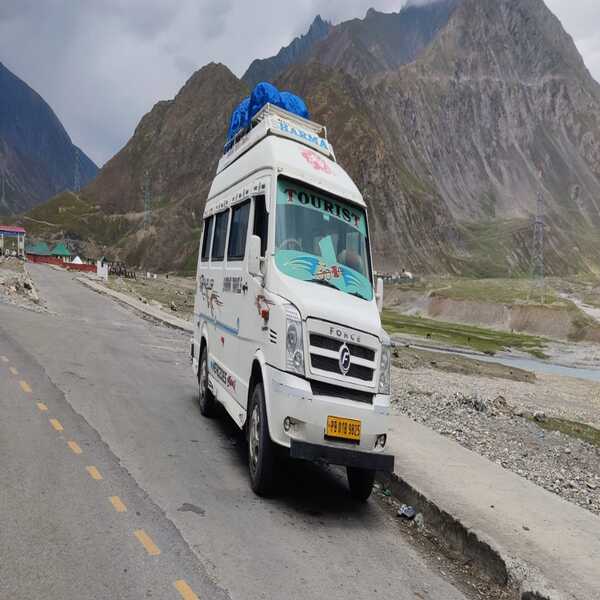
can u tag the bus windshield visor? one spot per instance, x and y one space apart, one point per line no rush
322 239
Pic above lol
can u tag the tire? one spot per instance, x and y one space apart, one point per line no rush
261 452
360 482
206 400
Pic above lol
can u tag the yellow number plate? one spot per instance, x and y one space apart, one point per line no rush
347 429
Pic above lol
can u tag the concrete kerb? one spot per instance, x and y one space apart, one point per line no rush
147 311
490 558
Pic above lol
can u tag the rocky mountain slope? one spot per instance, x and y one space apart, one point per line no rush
444 119
298 51
37 157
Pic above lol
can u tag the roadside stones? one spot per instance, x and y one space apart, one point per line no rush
539 416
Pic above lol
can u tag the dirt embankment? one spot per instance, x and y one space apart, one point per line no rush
557 321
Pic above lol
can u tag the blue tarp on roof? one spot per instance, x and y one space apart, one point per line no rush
263 93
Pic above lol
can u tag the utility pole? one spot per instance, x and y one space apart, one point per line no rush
537 255
147 199
77 173
3 189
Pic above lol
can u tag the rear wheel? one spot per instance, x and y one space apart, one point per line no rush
206 400
360 482
261 453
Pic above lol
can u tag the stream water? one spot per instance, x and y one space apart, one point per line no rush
522 362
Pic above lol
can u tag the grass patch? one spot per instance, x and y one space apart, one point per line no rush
503 291
483 340
573 429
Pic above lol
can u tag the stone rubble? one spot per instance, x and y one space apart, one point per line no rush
497 427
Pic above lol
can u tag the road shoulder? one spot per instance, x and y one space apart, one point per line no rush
516 531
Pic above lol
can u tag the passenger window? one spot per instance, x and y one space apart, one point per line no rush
218 245
206 238
261 223
236 249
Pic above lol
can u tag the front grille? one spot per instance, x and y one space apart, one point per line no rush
324 363
325 356
322 341
335 391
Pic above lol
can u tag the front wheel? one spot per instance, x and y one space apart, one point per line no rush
206 400
360 482
261 454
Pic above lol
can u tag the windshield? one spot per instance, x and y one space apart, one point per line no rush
322 239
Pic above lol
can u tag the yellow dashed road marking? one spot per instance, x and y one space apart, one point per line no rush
74 446
118 504
56 424
25 387
42 406
13 370
94 473
4 359
146 541
185 590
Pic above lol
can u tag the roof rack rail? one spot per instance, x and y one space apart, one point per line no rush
276 121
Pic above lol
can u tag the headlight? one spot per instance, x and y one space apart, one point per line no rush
384 370
293 340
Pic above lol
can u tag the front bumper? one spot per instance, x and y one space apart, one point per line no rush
342 456
289 396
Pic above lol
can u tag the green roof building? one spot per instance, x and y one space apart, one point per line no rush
40 249
60 251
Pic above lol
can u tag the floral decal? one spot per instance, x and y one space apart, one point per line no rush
318 163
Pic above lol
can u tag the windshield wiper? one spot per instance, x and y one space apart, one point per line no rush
325 282
357 295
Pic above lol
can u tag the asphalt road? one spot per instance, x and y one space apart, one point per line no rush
90 389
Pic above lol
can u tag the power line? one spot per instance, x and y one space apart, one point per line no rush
537 255
147 199
3 197
77 173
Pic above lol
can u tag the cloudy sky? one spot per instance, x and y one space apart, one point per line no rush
102 64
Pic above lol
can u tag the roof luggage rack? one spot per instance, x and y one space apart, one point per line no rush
272 120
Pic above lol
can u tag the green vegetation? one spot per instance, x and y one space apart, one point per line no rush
580 431
505 291
71 215
467 336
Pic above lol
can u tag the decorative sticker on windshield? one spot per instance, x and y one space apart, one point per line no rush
322 240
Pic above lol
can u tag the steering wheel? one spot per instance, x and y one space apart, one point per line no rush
290 244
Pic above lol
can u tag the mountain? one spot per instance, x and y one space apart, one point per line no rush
173 154
447 146
361 47
37 157
298 51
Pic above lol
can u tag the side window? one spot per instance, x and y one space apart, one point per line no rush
206 238
236 248
261 223
218 245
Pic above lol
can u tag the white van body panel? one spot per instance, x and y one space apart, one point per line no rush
229 301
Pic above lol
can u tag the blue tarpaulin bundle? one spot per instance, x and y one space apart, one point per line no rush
263 93
239 118
293 104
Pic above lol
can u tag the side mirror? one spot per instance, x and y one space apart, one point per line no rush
379 294
254 257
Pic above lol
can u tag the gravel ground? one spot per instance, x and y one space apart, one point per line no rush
494 417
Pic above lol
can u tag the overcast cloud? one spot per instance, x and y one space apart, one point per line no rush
102 64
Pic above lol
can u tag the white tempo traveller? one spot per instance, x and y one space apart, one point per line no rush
287 329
